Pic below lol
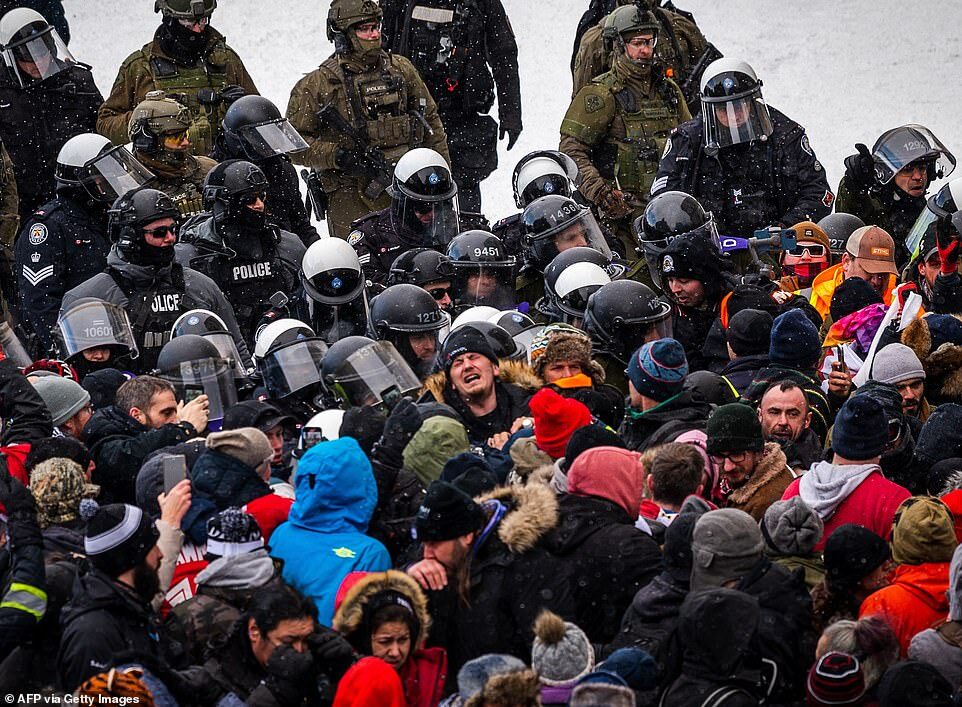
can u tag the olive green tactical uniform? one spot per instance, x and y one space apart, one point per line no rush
615 130
9 206
149 69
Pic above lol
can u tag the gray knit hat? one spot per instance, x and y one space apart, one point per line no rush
895 364
725 545
63 397
561 652
791 528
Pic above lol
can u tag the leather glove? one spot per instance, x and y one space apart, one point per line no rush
291 674
948 244
332 653
404 420
231 93
613 203
860 168
348 159
512 129
23 528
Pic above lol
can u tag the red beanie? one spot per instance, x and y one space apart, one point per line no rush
555 420
609 472
953 500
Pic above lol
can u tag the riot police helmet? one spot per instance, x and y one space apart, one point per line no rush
541 173
91 162
255 129
362 372
942 211
325 426
733 110
210 326
907 144
331 272
90 323
235 192
484 272
569 280
553 224
290 357
280 333
838 227
31 48
194 366
424 199
410 318
420 266
624 314
500 340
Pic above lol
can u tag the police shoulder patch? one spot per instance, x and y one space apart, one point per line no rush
38 234
806 147
355 237
667 148
593 103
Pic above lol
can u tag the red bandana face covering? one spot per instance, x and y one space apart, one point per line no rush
805 272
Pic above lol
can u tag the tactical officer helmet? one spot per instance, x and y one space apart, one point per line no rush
542 173
553 224
194 366
670 215
155 118
32 50
500 340
941 212
483 271
185 9
362 372
733 110
628 20
344 14
293 369
209 325
127 218
105 172
255 128
838 227
624 314
405 311
91 323
424 199
569 280
331 272
420 266
899 147
280 333
230 188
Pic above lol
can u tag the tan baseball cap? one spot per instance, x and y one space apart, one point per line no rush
874 248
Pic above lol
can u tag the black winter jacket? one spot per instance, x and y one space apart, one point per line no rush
682 411
512 404
741 371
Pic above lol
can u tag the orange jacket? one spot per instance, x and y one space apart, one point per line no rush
913 602
824 287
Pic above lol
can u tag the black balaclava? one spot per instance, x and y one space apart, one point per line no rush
182 44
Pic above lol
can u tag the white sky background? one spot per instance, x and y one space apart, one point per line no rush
845 69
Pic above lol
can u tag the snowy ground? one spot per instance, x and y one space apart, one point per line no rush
847 70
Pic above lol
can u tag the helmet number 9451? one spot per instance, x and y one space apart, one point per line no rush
488 250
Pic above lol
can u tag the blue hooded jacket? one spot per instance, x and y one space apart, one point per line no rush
324 537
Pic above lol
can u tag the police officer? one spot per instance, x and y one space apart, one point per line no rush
187 58
334 300
429 270
748 164
617 126
484 273
463 49
887 186
142 277
46 97
409 318
238 247
158 131
65 241
254 130
569 280
423 212
683 54
374 108
9 221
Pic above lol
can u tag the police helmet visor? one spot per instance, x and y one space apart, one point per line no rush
37 53
579 231
290 369
334 287
658 245
213 377
575 284
374 375
113 173
736 120
227 348
431 223
333 323
900 147
477 284
98 324
277 137
545 185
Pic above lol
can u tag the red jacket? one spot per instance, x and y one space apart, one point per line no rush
872 504
423 675
370 683
914 601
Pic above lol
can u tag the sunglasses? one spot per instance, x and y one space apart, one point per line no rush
814 250
439 293
252 198
160 231
199 22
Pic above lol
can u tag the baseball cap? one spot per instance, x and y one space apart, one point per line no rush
875 249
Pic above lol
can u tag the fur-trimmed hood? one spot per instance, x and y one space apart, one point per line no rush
520 688
937 340
349 616
517 373
533 511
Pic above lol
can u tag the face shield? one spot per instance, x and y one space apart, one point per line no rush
574 286
294 368
582 230
900 147
265 140
333 323
213 377
37 53
112 174
95 325
227 349
374 375
432 223
483 285
736 120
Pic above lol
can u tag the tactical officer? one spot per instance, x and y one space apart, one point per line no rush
538 173
429 270
9 220
617 126
334 301
887 186
142 277
748 164
409 318
423 212
683 55
187 58
158 131
238 247
569 280
254 130
484 273
46 97
64 242
463 49
359 111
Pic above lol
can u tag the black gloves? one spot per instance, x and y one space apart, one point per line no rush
402 423
23 528
333 655
291 674
860 169
512 129
229 94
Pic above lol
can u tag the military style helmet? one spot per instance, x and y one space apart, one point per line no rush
344 14
255 128
130 213
420 266
623 314
185 9
229 188
155 117
628 19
